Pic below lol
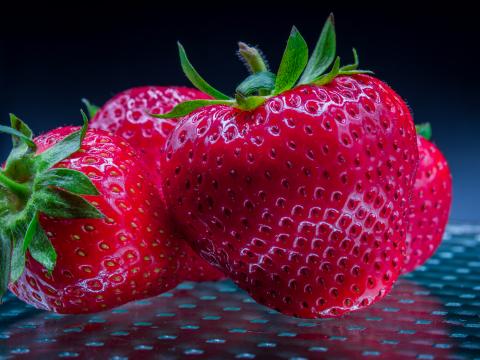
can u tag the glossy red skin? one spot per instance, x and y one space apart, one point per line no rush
303 201
126 115
430 205
103 263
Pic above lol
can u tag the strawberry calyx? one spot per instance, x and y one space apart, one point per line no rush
295 69
30 185
424 130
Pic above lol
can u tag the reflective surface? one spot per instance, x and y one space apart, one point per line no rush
433 313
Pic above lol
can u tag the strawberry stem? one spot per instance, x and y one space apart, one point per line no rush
254 61
20 190
252 57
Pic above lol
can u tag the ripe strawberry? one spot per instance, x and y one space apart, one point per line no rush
79 223
430 204
298 193
126 115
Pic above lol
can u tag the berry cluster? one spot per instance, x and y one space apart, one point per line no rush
309 188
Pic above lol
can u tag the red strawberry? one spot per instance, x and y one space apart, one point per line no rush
430 204
79 260
126 115
300 195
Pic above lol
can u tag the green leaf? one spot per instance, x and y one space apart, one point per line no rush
187 107
5 259
91 108
293 62
64 148
325 79
323 54
64 205
42 250
424 130
264 80
72 181
195 77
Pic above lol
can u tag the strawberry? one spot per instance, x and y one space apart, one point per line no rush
430 204
298 191
126 115
82 229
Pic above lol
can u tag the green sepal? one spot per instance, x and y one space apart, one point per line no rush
41 248
61 204
355 64
195 77
249 103
18 163
293 62
336 70
5 256
326 78
63 149
355 72
84 128
22 235
35 241
17 262
30 233
29 187
424 130
92 109
17 136
70 180
264 80
187 107
24 129
7 184
323 54
5 201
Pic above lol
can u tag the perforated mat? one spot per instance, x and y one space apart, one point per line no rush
433 313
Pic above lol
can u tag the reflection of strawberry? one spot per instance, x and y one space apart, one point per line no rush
126 115
203 320
92 225
430 204
298 193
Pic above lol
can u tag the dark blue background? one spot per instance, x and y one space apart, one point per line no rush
50 58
